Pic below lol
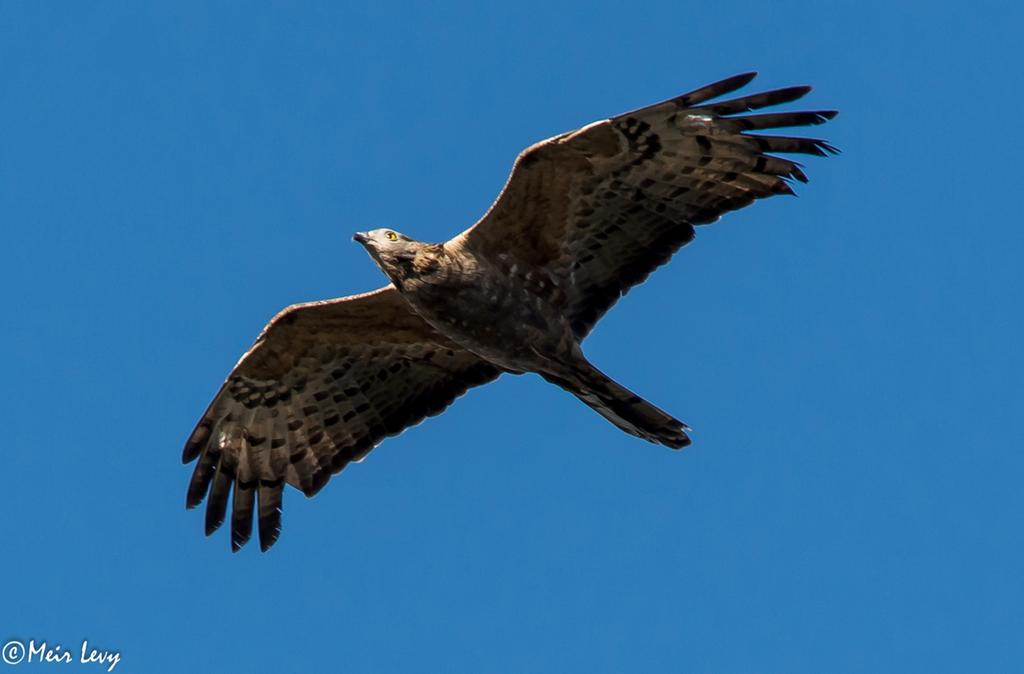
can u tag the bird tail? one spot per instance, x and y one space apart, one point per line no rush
621 406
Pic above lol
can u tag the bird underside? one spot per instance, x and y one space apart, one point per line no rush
513 317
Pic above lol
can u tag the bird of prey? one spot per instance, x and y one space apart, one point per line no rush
584 216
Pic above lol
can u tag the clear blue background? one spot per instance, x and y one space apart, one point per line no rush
172 174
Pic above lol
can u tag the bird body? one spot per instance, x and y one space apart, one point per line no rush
512 318
492 308
584 216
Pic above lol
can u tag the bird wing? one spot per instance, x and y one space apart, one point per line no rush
600 208
324 383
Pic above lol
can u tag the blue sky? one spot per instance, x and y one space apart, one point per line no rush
172 174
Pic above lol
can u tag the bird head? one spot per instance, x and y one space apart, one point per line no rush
393 252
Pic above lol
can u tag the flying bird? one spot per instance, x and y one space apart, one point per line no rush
584 216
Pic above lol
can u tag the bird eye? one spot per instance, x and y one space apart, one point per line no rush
391 236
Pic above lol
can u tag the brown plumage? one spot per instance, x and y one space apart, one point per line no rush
584 216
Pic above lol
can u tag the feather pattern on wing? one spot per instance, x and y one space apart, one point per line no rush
602 207
324 384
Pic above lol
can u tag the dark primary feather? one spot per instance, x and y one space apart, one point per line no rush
323 385
604 206
707 92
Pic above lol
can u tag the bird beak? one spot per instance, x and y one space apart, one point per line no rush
361 237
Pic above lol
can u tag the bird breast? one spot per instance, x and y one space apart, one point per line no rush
499 311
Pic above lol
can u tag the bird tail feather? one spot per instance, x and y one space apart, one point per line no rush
622 407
